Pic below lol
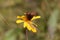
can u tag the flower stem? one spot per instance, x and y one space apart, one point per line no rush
26 34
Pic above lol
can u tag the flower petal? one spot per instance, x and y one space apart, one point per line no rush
25 24
19 21
22 16
31 27
34 30
36 17
18 16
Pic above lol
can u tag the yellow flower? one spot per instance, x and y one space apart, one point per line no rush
28 22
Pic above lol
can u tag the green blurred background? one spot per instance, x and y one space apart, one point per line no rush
48 24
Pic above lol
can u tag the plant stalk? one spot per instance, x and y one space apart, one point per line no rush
26 34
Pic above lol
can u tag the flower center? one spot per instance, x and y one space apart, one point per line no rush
29 16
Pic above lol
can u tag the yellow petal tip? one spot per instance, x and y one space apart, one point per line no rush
19 21
38 16
18 16
34 31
